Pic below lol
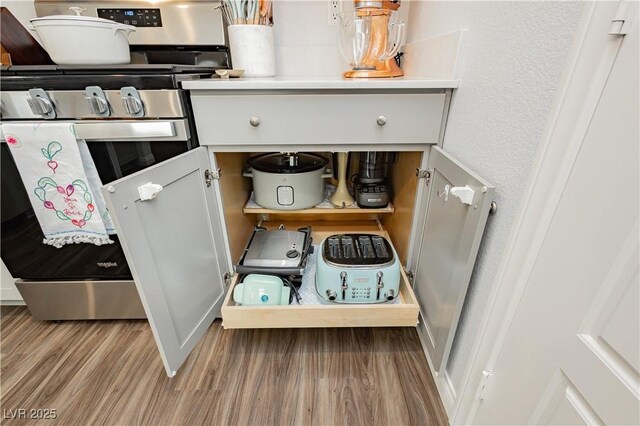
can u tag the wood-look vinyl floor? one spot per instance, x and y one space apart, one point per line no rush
110 372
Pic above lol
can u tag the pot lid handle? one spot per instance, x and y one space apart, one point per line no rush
77 10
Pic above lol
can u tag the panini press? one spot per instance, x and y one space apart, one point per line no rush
277 252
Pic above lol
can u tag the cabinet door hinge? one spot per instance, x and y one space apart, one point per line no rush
411 276
424 174
483 384
227 278
210 176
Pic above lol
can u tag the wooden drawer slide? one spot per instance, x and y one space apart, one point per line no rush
402 314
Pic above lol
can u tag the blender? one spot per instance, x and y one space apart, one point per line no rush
370 37
372 189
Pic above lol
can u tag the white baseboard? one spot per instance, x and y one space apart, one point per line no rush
10 296
12 303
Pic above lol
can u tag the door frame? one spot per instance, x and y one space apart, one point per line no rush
589 63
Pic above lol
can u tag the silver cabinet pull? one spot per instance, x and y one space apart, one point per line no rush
254 121
382 120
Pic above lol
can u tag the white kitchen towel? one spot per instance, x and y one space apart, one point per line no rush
94 184
63 196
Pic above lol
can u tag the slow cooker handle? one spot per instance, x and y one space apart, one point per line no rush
126 29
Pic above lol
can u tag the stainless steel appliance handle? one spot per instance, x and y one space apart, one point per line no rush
125 130
122 130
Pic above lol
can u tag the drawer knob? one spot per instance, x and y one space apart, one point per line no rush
382 120
254 121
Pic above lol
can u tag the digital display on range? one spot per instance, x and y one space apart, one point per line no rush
135 17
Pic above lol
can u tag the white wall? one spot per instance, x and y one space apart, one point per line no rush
513 56
305 44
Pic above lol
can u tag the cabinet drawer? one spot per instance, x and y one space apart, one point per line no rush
402 314
288 119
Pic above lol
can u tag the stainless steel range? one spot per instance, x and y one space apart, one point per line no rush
132 117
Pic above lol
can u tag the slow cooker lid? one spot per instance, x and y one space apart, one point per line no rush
276 162
75 19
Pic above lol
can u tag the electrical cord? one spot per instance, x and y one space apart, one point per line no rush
294 289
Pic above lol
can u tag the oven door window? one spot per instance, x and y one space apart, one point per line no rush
115 160
22 249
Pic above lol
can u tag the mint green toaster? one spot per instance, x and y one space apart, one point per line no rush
261 290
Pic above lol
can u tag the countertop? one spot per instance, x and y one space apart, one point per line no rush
320 83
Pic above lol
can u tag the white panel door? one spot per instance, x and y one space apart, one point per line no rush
571 355
174 245
458 206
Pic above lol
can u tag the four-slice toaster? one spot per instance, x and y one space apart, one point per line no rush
357 268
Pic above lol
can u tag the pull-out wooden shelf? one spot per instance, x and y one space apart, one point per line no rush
317 210
404 313
317 214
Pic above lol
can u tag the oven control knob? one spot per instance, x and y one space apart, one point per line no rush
132 105
97 101
41 104
98 106
131 101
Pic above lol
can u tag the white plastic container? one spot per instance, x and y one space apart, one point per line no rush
252 50
83 40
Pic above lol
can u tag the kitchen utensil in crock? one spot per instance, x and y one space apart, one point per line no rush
252 49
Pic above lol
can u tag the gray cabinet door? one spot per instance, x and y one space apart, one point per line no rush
170 244
455 221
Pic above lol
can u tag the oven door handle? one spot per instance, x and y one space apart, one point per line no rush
129 130
125 130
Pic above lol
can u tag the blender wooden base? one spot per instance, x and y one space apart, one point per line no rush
372 74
